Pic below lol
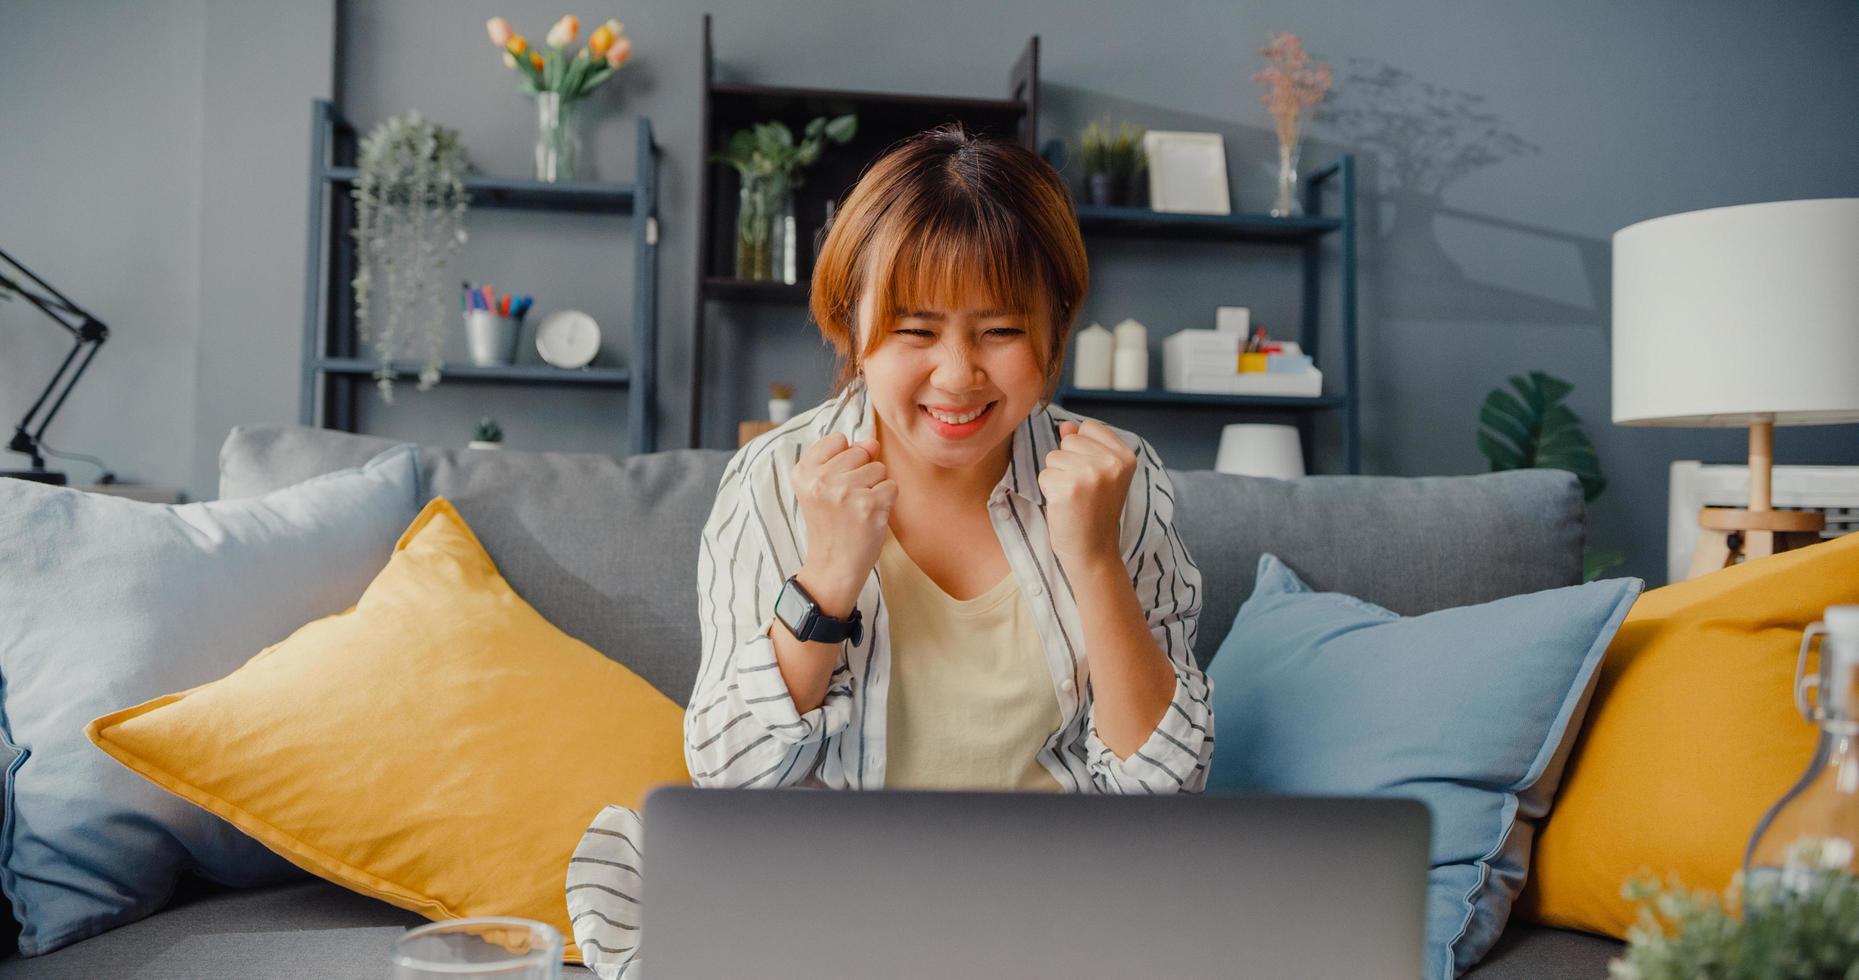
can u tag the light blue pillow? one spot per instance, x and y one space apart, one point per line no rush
1469 710
106 603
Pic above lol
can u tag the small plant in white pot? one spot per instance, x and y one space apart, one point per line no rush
487 435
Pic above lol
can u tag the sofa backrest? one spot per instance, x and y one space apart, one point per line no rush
606 548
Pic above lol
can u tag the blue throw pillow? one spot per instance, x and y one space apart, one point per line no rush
1469 710
106 603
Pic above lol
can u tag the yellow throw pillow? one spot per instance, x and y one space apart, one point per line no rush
439 746
1692 735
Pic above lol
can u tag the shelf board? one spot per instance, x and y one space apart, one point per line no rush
1161 397
534 195
729 287
1144 223
514 374
791 93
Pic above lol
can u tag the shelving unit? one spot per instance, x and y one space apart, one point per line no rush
883 119
335 373
1306 233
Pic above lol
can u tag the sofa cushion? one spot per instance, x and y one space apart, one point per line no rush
109 602
607 549
1468 710
1531 952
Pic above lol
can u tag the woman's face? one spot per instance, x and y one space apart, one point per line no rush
950 385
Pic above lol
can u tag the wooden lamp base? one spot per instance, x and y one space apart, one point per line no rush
1733 534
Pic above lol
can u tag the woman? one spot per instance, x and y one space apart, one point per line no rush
935 579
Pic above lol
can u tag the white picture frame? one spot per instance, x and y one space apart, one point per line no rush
1187 172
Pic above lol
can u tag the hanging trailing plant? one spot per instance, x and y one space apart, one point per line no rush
410 203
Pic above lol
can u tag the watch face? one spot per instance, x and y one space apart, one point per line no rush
792 609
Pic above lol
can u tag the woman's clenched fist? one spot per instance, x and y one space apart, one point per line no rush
1085 482
845 500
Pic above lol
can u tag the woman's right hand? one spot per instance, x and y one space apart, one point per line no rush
845 500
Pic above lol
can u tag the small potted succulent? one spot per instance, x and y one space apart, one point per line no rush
1112 162
487 435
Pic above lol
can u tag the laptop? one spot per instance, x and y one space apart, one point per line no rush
931 885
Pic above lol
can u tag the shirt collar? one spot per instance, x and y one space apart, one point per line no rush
1035 436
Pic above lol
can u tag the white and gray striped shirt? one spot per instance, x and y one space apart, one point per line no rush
742 727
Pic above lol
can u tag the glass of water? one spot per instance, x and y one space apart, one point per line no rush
489 947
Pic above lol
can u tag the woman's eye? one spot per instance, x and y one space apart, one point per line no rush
914 332
1006 332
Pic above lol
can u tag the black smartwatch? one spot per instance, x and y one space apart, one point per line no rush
802 616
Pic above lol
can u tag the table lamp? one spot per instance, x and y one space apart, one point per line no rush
1740 316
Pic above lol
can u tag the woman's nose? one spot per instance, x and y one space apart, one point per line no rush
957 369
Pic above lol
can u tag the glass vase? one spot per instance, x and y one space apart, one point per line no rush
1286 205
558 137
766 241
1811 835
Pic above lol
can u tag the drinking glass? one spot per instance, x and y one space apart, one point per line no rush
503 948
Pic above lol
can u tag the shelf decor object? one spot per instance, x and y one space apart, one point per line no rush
410 202
1292 85
1187 172
1302 396
558 81
1742 316
87 336
771 165
332 366
883 118
1112 162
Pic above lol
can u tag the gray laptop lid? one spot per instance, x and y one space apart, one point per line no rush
913 885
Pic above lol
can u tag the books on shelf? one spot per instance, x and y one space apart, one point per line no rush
1208 362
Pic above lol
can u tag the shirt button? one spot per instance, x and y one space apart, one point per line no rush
1037 589
1067 686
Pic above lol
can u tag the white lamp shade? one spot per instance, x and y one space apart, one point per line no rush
1738 315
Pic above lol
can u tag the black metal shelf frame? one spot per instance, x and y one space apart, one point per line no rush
334 373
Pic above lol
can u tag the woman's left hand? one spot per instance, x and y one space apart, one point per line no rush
1086 482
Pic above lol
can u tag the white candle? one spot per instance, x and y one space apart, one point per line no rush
1092 368
1132 335
1132 369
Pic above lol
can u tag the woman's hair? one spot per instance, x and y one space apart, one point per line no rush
945 216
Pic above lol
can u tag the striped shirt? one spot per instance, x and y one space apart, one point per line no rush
743 728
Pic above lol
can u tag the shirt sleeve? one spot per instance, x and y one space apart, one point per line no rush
1174 758
742 727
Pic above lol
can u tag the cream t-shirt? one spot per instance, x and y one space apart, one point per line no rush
971 699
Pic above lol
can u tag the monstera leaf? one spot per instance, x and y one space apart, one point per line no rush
1533 429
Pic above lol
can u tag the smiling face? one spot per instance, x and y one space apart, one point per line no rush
950 381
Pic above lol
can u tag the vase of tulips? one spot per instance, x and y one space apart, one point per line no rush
558 79
1293 83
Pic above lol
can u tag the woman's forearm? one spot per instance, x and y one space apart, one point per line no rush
1132 681
807 668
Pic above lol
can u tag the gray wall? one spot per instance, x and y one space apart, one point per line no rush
1578 118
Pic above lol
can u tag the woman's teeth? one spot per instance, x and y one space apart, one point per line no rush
957 419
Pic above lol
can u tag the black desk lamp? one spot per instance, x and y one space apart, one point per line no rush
87 333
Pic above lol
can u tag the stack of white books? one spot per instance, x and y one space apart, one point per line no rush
1207 362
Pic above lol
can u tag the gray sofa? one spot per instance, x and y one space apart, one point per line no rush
607 550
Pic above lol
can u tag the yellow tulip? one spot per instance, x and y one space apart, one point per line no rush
599 41
564 31
499 30
517 45
509 60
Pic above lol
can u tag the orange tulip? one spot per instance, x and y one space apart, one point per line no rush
535 61
621 50
516 45
564 31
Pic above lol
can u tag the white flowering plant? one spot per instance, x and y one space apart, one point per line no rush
410 203
1799 926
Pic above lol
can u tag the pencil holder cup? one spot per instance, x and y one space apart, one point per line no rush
491 337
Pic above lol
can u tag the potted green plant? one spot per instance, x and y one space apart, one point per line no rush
1805 932
410 203
1534 429
558 79
486 435
1112 162
770 162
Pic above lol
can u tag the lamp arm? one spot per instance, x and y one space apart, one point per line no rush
88 335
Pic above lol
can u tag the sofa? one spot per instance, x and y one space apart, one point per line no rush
606 549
